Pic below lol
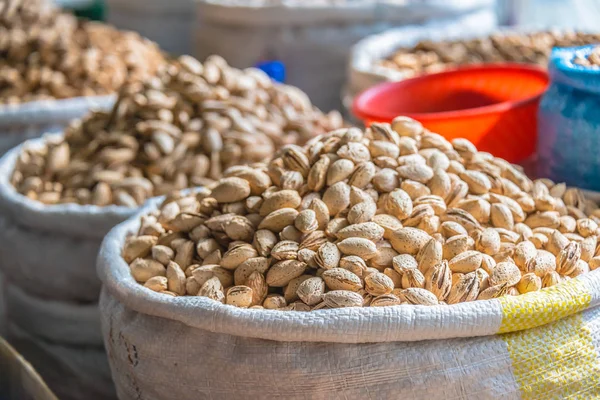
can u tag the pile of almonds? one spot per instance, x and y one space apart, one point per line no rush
533 48
591 60
393 215
48 54
179 129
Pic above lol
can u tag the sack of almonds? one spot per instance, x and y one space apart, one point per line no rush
61 194
396 55
54 68
313 38
364 264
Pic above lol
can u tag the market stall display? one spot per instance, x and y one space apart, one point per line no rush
181 128
54 68
439 240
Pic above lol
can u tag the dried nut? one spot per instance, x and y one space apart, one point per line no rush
143 269
354 264
285 250
138 247
438 280
175 279
274 302
456 245
413 278
466 262
157 283
366 230
466 289
279 219
551 278
341 279
529 283
230 190
204 273
245 269
356 246
505 272
239 296
556 242
212 289
311 291
377 284
385 300
389 223
256 282
524 252
429 255
489 242
408 240
501 216
399 204
494 292
237 255
281 273
418 296
306 221
567 259
337 198
328 256
342 298
542 263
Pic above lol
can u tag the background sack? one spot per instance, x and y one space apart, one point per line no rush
535 346
50 251
29 120
313 38
168 23
363 69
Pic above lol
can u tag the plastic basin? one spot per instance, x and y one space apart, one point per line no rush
492 105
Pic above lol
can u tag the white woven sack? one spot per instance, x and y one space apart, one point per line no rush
29 120
535 346
50 251
313 38
63 342
168 23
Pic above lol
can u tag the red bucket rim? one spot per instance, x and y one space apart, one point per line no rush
360 108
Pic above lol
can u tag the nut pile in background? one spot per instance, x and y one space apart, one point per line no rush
393 215
179 129
591 60
48 54
533 48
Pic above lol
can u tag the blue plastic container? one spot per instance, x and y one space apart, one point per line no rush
569 121
275 69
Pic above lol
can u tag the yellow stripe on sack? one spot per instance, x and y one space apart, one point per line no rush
539 308
555 361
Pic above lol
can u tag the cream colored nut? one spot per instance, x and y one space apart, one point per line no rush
318 174
341 279
285 250
556 242
413 278
399 204
237 255
157 283
586 227
362 175
239 296
417 172
176 279
543 262
594 263
408 240
184 254
501 216
581 268
278 200
279 219
429 255
478 182
414 189
567 258
462 217
456 245
311 291
450 228
489 242
465 289
205 272
144 269
291 233
191 286
493 292
230 190
212 289
240 228
274 302
328 256
404 262
355 246
256 282
549 219
290 292
339 171
162 254
588 248
394 276
366 230
385 300
354 264
479 208
568 224
377 284
418 296
524 252
438 280
281 273
505 272
550 279
466 262
313 240
388 222
529 283
138 247
245 269
337 198
342 298
306 221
